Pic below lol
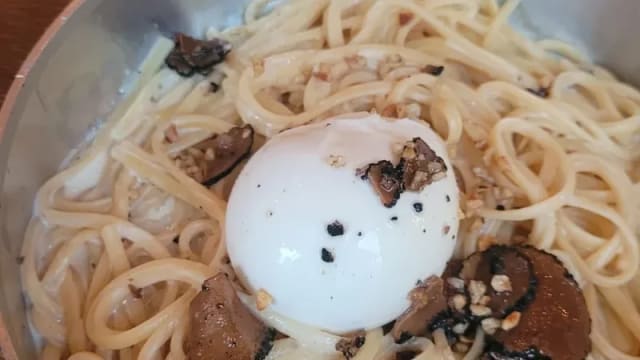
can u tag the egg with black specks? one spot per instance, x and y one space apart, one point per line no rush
377 252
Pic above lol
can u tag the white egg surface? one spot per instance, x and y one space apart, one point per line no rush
293 196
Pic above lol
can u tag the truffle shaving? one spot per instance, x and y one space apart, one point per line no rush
212 159
386 182
427 301
222 325
419 166
192 55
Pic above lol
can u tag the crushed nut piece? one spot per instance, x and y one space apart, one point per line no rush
460 328
459 302
480 310
355 61
474 204
485 300
390 111
321 76
483 174
263 299
209 155
490 325
336 161
456 283
501 283
410 111
486 241
171 134
477 289
481 144
511 321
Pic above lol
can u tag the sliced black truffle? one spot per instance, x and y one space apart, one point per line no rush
223 152
192 55
502 262
222 325
386 181
420 165
427 301
540 309
557 322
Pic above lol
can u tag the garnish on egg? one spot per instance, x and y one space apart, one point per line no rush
335 228
419 167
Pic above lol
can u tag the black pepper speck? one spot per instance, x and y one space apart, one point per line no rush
448 198
359 233
500 207
418 207
394 218
335 229
424 231
327 256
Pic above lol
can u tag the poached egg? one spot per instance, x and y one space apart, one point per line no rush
304 228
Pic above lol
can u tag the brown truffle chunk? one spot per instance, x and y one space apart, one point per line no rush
541 92
508 263
192 55
427 301
557 323
228 150
222 327
385 180
350 346
420 165
540 310
435 70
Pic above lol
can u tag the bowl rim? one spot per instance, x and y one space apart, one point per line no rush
15 90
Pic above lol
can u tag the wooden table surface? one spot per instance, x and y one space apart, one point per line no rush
23 21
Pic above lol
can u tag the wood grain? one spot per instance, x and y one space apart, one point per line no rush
23 21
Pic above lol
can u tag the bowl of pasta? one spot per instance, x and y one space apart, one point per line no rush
324 179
